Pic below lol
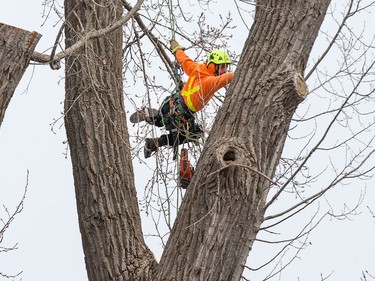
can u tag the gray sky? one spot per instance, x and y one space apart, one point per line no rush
47 230
49 246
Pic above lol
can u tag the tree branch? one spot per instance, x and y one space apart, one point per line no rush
42 58
328 129
154 40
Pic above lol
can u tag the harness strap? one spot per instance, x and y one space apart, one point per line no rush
178 109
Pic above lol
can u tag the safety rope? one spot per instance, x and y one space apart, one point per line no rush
178 183
177 77
171 19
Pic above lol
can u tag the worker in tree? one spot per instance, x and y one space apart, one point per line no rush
176 113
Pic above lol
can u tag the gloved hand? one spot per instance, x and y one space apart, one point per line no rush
175 46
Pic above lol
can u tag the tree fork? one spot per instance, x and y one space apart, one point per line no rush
224 205
16 48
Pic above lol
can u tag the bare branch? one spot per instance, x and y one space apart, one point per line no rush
328 129
18 210
41 58
8 221
333 41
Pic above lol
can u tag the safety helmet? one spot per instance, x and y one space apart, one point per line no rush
218 57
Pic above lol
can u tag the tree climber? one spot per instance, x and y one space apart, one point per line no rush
176 113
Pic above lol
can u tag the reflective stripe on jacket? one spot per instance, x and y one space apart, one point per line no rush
202 83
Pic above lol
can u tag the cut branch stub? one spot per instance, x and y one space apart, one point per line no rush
16 47
300 85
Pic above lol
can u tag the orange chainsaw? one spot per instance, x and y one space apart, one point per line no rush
186 170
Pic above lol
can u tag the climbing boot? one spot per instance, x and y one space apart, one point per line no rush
145 114
151 145
163 140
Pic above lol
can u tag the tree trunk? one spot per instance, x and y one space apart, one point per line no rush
224 205
16 48
97 133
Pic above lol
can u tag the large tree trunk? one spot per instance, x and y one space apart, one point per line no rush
107 204
16 48
224 205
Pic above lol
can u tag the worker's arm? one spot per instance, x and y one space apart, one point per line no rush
225 79
187 64
216 82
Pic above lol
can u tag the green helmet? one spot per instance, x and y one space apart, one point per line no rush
218 57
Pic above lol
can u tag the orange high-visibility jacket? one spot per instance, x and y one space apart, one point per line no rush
202 83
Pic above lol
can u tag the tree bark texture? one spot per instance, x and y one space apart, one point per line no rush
16 48
224 205
98 138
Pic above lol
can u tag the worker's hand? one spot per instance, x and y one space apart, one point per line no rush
175 46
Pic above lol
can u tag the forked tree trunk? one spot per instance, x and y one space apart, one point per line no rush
16 48
107 203
224 205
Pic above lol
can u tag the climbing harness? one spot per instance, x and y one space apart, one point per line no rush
177 114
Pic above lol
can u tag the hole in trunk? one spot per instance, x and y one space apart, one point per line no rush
230 155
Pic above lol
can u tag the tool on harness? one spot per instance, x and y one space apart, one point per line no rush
186 170
178 113
177 76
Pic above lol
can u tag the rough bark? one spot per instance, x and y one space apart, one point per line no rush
107 203
224 205
16 48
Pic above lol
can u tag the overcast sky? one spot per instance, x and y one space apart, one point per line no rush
47 230
49 246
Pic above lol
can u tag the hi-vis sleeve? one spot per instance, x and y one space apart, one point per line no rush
187 64
215 83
